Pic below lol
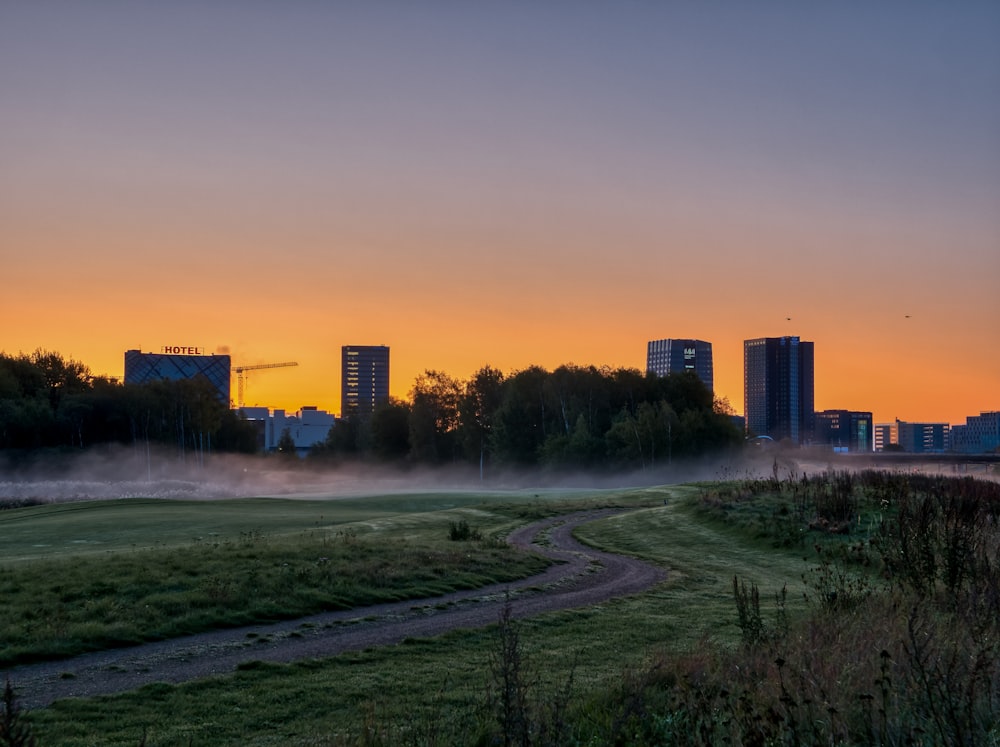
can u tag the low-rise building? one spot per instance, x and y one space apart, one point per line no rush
923 438
979 435
844 430
306 427
886 436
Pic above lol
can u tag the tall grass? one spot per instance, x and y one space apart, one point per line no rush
913 660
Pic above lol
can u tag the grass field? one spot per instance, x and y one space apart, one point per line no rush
84 576
418 691
74 529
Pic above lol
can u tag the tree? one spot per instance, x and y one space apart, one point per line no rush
722 406
519 424
477 410
434 416
286 445
341 440
623 441
390 429
581 448
61 376
684 391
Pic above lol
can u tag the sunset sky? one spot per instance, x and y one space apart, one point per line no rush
509 183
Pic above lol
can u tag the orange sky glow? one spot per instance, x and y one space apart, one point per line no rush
509 187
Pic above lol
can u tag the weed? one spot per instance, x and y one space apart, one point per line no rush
753 630
508 670
838 585
748 612
523 710
460 531
14 730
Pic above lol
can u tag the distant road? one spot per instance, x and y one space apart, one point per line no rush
583 576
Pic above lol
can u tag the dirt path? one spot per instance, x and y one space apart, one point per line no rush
583 577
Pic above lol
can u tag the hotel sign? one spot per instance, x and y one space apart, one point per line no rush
182 350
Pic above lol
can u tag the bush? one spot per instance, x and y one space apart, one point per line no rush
460 531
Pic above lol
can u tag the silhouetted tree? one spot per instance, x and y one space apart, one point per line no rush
341 440
519 423
390 429
477 409
434 417
286 445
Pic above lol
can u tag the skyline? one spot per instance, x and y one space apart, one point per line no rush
509 185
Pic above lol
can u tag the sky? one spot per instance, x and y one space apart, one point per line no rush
508 184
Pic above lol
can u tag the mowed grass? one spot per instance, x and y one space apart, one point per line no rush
47 531
85 576
429 691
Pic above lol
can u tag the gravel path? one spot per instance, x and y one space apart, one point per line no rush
583 577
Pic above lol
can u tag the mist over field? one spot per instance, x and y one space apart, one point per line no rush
122 472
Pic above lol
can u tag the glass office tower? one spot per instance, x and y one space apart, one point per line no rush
676 356
778 388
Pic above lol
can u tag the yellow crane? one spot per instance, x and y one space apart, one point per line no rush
241 369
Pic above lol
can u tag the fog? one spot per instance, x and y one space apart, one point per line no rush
122 472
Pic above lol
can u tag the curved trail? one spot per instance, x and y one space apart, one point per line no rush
584 576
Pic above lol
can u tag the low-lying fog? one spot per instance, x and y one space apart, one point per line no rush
126 473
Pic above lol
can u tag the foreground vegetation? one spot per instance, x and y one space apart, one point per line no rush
852 609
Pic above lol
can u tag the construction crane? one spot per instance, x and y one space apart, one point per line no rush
239 376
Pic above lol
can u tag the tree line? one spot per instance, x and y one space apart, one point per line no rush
574 416
50 402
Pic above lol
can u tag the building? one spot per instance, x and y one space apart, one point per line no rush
676 356
886 435
364 378
175 363
778 388
844 430
979 435
923 438
307 427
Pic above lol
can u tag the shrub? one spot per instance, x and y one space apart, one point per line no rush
460 531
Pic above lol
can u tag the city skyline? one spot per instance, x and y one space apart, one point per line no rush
184 362
509 186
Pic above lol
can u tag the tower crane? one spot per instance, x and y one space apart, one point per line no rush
239 376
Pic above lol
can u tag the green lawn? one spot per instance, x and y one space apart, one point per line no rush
53 530
83 576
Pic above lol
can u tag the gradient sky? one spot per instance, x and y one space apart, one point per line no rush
509 183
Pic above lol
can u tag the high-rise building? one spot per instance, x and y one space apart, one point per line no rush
676 356
844 430
778 388
364 378
179 363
